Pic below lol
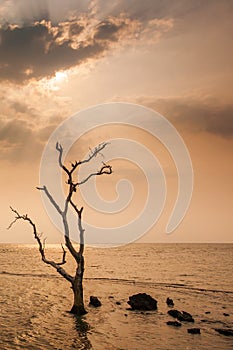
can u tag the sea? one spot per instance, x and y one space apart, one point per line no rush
35 300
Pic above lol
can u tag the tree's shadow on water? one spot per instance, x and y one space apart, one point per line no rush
82 328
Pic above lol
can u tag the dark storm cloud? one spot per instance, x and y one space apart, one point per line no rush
195 114
75 29
107 30
38 38
40 49
34 52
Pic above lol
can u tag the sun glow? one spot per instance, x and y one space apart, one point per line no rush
55 83
60 77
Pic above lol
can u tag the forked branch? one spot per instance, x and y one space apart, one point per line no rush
93 153
106 169
41 245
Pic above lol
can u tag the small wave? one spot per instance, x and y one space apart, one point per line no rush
126 281
19 274
159 284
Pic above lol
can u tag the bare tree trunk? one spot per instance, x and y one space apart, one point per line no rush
77 280
77 287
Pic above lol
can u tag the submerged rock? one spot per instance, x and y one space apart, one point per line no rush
170 302
94 301
181 316
227 332
174 323
142 301
194 330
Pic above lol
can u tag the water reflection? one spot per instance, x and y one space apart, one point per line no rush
82 327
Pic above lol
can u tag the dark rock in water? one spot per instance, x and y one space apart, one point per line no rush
174 313
170 302
94 301
194 330
142 301
227 332
181 316
118 303
207 312
174 323
225 314
186 317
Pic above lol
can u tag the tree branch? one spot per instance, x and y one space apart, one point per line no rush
52 263
93 153
56 206
106 169
59 148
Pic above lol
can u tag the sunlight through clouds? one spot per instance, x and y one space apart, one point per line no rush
58 57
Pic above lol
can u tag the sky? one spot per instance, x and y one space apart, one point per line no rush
175 57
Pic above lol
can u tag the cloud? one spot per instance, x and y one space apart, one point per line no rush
37 47
194 114
22 141
37 51
107 30
40 49
17 141
14 131
27 117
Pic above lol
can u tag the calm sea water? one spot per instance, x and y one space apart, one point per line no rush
34 300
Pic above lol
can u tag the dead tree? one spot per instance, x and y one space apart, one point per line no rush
76 280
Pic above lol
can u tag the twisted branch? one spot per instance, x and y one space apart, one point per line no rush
41 245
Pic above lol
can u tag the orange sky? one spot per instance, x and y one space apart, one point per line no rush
58 57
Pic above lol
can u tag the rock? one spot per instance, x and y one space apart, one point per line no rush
111 297
174 313
207 312
94 301
227 332
142 301
186 317
118 303
194 330
181 316
170 302
174 323
225 314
